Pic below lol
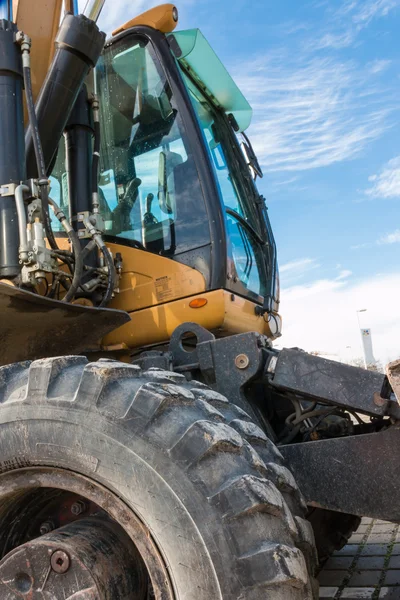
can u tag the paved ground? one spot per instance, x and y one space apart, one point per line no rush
368 567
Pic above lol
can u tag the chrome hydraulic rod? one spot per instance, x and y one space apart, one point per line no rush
93 9
23 237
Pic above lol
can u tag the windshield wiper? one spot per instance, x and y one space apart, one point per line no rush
245 224
251 156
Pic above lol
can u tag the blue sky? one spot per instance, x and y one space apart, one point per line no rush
323 78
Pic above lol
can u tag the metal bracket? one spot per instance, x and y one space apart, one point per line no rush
8 189
92 223
332 383
358 475
183 359
228 364
34 209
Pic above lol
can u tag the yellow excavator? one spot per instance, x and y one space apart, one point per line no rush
153 443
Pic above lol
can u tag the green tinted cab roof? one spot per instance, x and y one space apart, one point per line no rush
203 64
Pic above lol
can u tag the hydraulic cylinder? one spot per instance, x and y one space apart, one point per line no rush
79 43
12 146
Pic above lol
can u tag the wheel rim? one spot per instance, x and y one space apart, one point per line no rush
61 532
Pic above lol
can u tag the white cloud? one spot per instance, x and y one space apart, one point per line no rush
322 316
297 265
295 270
311 112
390 238
312 107
333 40
346 22
378 66
365 10
386 184
359 246
344 274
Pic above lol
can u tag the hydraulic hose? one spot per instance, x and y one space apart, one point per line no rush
108 259
73 236
40 162
78 271
90 246
111 274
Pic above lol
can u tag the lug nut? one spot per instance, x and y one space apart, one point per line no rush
78 508
60 561
46 527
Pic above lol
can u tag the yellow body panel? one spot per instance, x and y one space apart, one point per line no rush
149 279
223 314
156 292
163 18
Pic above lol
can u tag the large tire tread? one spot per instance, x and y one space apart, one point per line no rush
239 471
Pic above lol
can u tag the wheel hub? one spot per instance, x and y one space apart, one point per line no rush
89 559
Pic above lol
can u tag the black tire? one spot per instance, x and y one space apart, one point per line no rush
332 530
200 475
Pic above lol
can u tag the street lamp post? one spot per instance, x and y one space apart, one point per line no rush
359 329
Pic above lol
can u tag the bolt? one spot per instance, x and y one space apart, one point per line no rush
78 508
60 561
242 361
46 527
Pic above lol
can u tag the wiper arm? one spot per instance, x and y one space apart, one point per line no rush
245 224
251 156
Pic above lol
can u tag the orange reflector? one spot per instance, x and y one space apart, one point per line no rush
198 302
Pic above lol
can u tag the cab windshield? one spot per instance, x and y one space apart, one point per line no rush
150 195
244 232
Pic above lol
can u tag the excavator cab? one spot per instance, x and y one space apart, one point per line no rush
176 191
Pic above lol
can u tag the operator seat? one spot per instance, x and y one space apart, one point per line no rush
156 233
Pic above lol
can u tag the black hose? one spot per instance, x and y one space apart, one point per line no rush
76 247
319 421
76 278
111 275
289 436
90 246
95 194
34 123
41 166
95 191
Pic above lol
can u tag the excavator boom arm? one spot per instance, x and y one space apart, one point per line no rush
40 20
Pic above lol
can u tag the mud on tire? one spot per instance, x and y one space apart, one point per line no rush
212 490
